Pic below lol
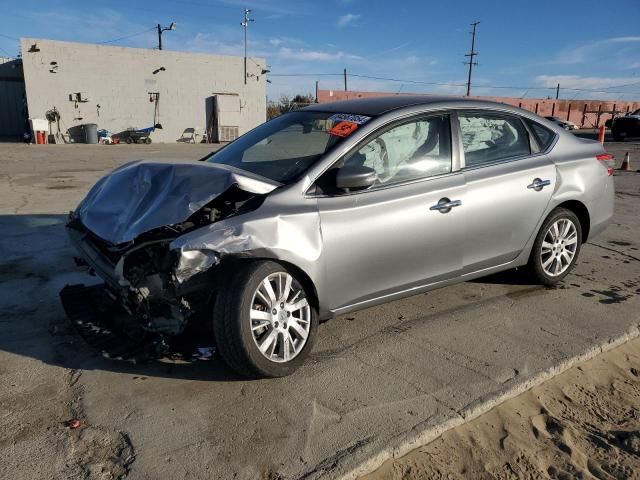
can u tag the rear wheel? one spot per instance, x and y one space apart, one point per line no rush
263 322
556 248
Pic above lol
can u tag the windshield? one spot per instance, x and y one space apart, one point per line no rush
285 147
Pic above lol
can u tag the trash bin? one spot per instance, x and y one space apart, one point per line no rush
90 132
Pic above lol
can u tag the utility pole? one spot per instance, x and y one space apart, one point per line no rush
163 29
245 24
558 92
471 56
345 79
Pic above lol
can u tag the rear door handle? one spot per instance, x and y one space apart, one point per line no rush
538 184
445 205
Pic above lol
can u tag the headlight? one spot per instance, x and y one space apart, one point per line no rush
191 262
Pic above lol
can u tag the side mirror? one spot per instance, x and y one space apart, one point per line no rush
355 177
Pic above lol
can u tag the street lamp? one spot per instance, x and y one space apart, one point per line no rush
245 25
162 29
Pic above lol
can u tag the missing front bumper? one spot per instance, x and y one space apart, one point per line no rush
112 332
104 325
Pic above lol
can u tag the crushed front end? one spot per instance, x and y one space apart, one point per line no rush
161 289
123 233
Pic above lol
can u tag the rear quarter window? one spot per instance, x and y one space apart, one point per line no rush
543 135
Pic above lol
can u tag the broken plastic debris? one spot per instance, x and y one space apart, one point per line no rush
204 353
74 423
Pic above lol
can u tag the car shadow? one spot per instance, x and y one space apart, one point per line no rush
518 276
36 264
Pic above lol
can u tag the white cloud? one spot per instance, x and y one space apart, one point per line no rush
345 20
577 81
313 55
204 42
623 39
589 51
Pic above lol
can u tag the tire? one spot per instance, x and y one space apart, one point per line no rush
539 261
129 140
147 140
234 324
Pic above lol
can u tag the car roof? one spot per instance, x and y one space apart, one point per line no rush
374 106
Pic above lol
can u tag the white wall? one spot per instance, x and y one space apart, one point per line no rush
119 79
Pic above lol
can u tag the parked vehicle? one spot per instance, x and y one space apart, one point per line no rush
337 207
132 135
626 127
567 125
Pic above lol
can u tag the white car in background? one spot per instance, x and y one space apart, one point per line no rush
566 124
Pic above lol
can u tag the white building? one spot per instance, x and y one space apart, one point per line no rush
119 88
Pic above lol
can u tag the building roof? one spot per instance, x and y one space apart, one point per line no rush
379 105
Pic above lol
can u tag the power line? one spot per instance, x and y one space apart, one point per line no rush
417 82
306 74
447 84
126 36
10 56
370 77
7 36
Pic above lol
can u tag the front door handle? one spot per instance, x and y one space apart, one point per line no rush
538 184
445 205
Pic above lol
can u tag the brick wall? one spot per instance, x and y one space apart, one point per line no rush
581 112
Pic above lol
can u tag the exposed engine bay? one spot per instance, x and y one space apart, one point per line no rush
162 289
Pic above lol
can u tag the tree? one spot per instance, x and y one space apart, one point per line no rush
285 104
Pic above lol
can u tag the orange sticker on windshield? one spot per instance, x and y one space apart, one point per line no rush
344 129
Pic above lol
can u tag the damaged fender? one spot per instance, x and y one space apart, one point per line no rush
293 237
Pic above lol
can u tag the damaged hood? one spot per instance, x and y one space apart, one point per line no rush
143 195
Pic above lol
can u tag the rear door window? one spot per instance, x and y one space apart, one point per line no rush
543 135
489 137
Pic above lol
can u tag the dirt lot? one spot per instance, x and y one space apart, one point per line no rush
584 423
379 382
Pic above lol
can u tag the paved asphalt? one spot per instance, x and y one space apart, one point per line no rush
377 380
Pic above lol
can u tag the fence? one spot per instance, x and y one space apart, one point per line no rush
584 113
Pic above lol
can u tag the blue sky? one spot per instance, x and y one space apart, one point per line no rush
583 45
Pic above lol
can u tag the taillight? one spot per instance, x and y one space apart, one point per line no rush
609 159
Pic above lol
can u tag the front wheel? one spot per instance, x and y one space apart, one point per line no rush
556 248
264 323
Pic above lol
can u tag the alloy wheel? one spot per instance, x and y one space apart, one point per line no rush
559 247
280 317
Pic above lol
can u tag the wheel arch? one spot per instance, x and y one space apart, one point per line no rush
581 211
233 263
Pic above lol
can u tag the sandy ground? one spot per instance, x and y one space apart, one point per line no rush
584 423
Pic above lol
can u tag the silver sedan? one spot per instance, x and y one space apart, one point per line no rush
338 207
